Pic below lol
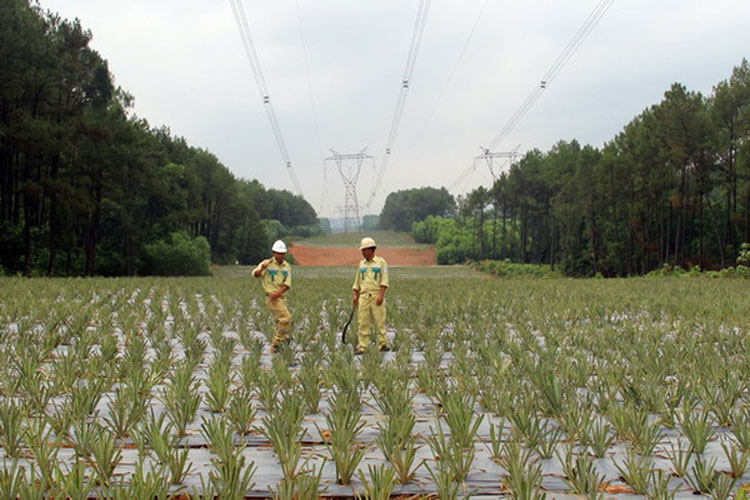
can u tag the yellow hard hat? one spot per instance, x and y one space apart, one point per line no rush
367 243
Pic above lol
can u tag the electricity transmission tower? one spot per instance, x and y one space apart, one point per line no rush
493 160
349 166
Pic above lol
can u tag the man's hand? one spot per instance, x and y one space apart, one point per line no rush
381 296
355 299
263 267
278 293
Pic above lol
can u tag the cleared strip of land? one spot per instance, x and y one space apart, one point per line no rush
342 249
384 239
319 256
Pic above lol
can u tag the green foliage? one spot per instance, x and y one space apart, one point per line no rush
380 485
402 208
669 192
507 269
88 187
428 230
594 353
743 259
668 270
384 239
178 256
276 230
456 239
453 240
325 224
370 222
11 248
306 231
287 208
11 431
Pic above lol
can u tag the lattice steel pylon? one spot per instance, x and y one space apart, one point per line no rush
491 158
349 166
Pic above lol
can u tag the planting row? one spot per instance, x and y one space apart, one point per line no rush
135 388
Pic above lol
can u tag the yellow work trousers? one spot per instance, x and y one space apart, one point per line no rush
370 315
282 318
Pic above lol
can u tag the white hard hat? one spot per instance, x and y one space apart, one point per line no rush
367 243
278 247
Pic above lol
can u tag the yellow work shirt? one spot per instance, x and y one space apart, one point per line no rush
275 275
371 275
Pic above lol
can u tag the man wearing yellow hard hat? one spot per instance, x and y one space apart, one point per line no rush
370 286
276 276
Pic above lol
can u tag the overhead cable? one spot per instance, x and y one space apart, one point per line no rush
324 190
454 69
252 56
411 61
583 32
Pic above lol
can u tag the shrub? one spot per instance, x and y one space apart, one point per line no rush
666 270
744 258
276 230
178 256
306 231
507 269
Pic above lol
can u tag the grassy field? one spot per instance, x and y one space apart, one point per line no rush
351 240
149 387
306 274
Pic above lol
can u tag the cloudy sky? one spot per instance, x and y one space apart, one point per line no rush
185 64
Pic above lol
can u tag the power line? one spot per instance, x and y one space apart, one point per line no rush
570 49
252 56
490 158
464 177
324 190
411 61
453 70
583 32
349 166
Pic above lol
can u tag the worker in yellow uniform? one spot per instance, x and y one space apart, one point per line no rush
370 286
276 276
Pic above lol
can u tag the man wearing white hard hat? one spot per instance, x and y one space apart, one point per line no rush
276 276
370 285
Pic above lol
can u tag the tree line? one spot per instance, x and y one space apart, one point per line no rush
403 208
86 187
671 189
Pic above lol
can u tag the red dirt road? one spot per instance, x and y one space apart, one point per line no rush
316 256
